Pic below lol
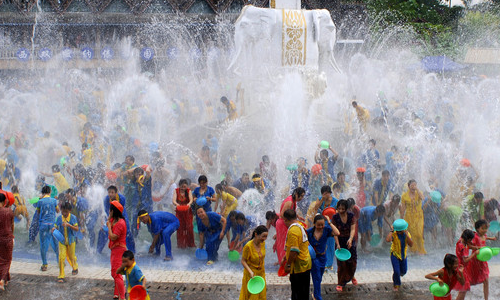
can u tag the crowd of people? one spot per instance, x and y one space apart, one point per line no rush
323 207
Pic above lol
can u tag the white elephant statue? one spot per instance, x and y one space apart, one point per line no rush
267 38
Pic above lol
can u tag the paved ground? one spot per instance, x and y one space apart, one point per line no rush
94 283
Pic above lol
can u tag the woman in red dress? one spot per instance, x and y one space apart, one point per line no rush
289 203
6 240
117 233
184 198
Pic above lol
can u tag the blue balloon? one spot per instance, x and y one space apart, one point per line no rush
312 252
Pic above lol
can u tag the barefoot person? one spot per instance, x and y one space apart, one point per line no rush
6 240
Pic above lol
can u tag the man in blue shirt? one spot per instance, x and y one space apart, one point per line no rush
161 225
382 189
47 207
103 236
327 163
367 215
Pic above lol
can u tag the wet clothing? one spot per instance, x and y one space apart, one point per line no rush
281 230
185 234
346 269
478 271
134 277
209 192
117 247
101 242
47 207
414 215
366 217
211 234
255 261
6 242
164 224
300 272
382 191
318 264
399 260
462 251
451 281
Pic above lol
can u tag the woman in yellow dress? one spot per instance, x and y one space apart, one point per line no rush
252 260
229 203
411 211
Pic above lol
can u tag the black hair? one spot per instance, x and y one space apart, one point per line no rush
297 192
271 214
449 260
139 171
116 166
141 212
336 186
85 145
128 255
326 189
2 198
224 183
14 189
240 216
259 230
7 142
55 169
183 181
231 214
117 214
114 188
205 148
478 195
71 154
71 192
411 181
324 152
318 217
67 206
396 198
490 205
223 99
218 187
244 174
374 142
256 175
350 202
354 102
344 203
467 235
340 174
265 157
380 209
480 223
289 215
131 158
202 178
386 172
46 189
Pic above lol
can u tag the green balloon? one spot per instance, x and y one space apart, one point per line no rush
34 200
